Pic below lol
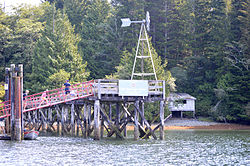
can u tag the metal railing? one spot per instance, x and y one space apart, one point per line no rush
51 97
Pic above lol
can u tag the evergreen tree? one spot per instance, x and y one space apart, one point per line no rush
56 53
99 44
20 31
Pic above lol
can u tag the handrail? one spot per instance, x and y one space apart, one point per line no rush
81 90
53 97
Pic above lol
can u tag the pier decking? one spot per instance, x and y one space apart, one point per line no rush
94 109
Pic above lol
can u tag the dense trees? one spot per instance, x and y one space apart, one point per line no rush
56 56
204 43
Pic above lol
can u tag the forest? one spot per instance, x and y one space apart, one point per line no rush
200 47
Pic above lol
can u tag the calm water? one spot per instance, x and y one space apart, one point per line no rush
187 147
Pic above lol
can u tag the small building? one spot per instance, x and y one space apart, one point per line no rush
181 102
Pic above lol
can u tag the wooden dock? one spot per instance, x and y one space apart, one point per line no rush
103 113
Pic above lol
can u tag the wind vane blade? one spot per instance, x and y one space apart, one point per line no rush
125 22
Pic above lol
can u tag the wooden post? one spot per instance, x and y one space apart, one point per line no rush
42 115
102 127
29 117
88 120
49 119
85 120
136 129
17 114
20 66
78 123
102 122
36 119
117 120
97 120
62 121
126 120
110 111
12 98
142 109
7 97
72 120
162 120
58 120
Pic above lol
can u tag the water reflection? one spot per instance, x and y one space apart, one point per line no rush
188 147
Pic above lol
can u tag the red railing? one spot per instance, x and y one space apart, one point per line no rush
5 109
53 97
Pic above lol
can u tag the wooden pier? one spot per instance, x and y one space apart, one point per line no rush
103 113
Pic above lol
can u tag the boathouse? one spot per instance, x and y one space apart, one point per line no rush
181 102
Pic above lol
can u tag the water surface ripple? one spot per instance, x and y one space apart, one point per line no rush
187 147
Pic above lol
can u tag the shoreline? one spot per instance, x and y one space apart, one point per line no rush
210 127
194 124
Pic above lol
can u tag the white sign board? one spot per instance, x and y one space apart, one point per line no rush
133 88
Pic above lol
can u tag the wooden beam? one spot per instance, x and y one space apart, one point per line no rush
62 121
136 129
97 120
132 118
111 125
85 121
117 119
162 120
72 120
146 123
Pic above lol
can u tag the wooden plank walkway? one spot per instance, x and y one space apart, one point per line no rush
91 108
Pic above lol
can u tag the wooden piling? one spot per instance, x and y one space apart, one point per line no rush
18 110
97 120
85 120
72 120
102 127
117 119
136 129
12 98
162 120
125 121
36 119
43 120
49 120
110 111
7 88
142 110
20 66
58 120
78 123
62 121
89 120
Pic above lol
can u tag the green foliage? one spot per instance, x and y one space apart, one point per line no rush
57 79
99 44
19 32
205 42
56 52
2 92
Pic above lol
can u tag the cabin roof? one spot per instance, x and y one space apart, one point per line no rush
180 96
